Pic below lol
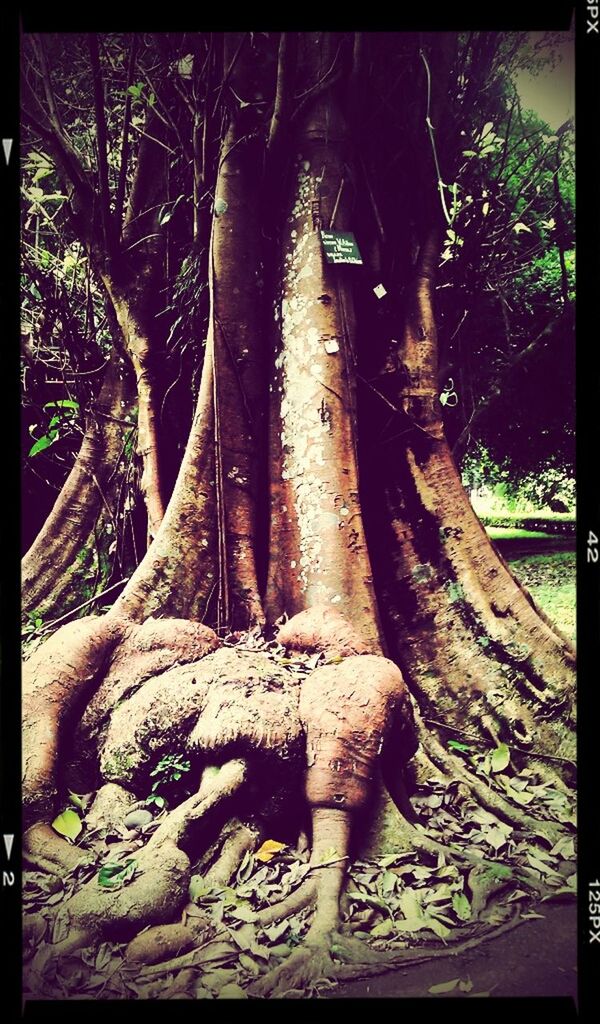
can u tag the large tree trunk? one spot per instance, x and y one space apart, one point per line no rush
134 279
471 652
317 543
476 652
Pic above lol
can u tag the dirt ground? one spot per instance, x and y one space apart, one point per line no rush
539 958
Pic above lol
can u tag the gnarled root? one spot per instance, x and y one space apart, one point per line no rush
313 962
159 886
57 676
45 850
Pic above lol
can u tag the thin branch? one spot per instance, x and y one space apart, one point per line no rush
286 67
228 73
120 198
91 600
101 139
40 52
430 129
153 138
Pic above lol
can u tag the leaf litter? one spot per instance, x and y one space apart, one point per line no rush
399 901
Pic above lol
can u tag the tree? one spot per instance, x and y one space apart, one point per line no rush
317 598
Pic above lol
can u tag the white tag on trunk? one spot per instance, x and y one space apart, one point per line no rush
379 291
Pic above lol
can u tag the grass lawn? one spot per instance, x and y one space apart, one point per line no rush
550 578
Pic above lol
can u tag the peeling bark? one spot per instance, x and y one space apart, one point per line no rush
319 551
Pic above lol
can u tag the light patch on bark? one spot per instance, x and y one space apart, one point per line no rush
304 423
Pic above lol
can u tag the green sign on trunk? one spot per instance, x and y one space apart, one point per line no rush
340 247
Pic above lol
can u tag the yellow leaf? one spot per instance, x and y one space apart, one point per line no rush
268 850
68 825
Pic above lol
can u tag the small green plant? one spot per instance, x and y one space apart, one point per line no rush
170 769
34 622
64 417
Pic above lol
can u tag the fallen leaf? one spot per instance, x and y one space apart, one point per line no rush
268 850
68 824
443 986
461 906
500 758
232 991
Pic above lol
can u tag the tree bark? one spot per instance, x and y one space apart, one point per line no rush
465 632
51 567
239 392
317 541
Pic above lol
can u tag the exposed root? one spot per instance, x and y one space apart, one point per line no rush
321 628
242 839
177 825
58 675
158 889
484 794
163 942
306 966
45 850
405 957
302 897
313 962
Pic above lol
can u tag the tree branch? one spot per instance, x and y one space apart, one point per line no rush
120 198
67 161
101 141
286 68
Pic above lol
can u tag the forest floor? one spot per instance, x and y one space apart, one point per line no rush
536 958
539 958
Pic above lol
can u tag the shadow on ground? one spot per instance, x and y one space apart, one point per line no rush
539 958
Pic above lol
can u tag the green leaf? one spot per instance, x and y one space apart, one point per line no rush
437 927
153 799
455 745
461 906
232 991
68 824
410 904
388 881
383 930
244 914
62 403
199 888
371 901
469 152
113 875
42 173
500 758
443 986
44 442
76 801
495 837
